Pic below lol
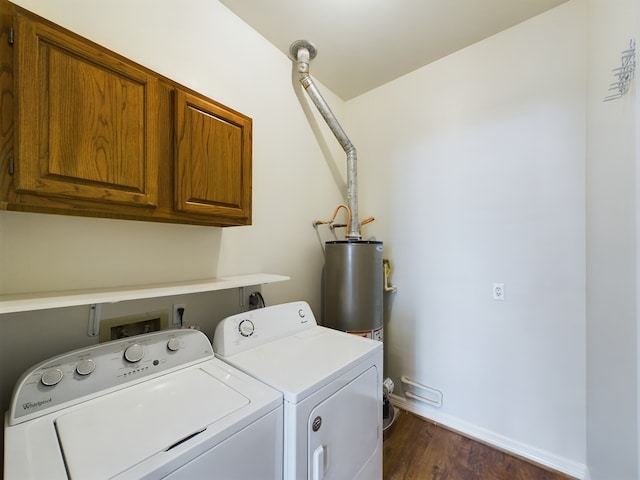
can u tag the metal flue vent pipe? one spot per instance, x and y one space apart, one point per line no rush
303 52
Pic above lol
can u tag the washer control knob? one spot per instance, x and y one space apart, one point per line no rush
173 344
51 377
301 313
85 367
246 328
134 353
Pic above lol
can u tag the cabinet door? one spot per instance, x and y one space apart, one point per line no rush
213 159
87 122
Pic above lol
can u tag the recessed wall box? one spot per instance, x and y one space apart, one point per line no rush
121 327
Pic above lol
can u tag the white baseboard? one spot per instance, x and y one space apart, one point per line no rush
541 457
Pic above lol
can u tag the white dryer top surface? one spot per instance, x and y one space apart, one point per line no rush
304 362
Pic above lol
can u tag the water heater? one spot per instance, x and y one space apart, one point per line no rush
353 286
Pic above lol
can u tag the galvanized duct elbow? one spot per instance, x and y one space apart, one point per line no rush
303 52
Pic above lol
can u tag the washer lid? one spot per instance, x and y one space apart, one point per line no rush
120 430
301 364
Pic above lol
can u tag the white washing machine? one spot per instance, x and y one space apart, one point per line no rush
148 407
332 386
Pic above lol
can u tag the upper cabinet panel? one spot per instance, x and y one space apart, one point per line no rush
213 160
86 121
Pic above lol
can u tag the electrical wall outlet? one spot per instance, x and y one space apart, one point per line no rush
178 318
498 291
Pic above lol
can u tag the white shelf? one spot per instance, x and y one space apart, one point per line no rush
44 300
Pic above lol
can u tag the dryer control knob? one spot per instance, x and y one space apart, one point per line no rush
173 344
51 377
246 328
85 367
134 353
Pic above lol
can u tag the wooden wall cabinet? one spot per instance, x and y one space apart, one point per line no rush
88 132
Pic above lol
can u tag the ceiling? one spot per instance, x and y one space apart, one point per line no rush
363 44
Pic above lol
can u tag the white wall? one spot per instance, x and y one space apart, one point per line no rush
612 249
474 168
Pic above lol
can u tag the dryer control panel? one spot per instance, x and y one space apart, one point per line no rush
251 329
93 371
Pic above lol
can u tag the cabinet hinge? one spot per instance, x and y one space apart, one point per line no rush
11 36
11 166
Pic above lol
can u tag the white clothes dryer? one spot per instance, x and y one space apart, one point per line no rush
147 407
332 386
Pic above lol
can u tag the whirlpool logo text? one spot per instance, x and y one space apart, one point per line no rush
39 403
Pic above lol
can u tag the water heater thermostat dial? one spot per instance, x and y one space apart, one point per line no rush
246 328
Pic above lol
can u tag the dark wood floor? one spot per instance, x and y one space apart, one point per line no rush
417 449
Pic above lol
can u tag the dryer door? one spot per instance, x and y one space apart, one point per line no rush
344 430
